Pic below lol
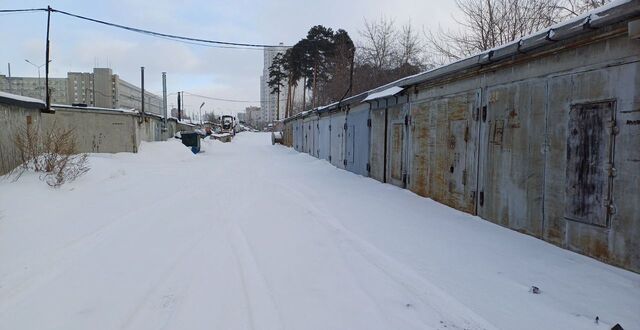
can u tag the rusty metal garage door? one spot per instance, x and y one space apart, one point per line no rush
589 163
512 163
444 152
377 145
397 120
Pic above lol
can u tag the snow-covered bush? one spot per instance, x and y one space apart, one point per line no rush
52 153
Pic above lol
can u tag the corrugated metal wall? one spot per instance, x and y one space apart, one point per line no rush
548 145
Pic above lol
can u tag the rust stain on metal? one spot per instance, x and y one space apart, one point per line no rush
397 142
440 138
420 138
587 154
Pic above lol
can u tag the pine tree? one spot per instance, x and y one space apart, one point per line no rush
277 75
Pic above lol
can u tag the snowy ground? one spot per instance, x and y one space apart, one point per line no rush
251 236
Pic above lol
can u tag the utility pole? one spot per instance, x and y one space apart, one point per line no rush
184 110
46 77
200 113
179 108
164 98
142 92
9 79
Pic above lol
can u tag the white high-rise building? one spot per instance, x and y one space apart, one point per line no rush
267 100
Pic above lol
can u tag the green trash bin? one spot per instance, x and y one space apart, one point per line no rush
191 140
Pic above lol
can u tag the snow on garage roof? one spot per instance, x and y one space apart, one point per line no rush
21 101
391 91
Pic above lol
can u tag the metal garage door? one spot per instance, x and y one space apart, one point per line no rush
357 141
337 139
324 138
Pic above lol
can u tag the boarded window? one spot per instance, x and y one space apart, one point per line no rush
588 145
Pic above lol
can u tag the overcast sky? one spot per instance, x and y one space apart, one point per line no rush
222 73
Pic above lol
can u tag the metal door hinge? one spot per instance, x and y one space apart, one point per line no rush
368 167
615 130
369 122
484 113
481 198
611 170
329 128
406 120
344 162
345 126
329 157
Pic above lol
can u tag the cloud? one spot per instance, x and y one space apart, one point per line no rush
224 73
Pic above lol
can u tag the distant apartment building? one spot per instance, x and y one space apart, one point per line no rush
104 89
35 88
252 116
267 100
100 88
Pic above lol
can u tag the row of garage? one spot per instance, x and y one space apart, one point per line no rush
544 141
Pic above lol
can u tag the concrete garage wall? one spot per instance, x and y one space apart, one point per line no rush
96 130
13 119
540 136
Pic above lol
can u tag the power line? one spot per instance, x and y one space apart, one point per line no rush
165 35
21 10
220 99
212 45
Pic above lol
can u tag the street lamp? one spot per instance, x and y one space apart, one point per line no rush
201 105
38 67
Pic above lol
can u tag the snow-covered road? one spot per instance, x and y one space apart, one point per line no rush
252 236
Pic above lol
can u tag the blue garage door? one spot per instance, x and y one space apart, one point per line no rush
357 144
324 138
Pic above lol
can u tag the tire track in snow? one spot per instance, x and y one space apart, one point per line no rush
262 307
412 282
52 266
159 284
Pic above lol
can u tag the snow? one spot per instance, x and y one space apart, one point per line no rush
391 91
252 236
92 108
220 135
589 16
20 98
